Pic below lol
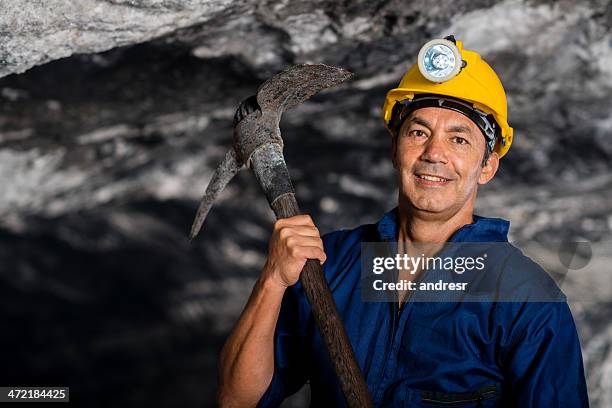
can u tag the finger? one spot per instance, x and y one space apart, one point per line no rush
302 219
300 240
311 252
301 230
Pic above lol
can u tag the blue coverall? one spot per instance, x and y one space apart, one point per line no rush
455 354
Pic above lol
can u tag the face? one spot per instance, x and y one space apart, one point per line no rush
438 154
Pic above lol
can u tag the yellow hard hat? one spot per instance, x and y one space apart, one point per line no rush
445 69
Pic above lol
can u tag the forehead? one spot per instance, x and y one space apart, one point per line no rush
442 116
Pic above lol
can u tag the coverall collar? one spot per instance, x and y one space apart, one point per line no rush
483 229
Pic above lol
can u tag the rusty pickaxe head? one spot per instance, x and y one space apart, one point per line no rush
257 138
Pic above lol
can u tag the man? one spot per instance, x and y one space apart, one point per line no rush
448 120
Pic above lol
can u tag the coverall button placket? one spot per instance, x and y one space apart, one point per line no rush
386 230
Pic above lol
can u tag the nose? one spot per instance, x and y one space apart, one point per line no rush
434 150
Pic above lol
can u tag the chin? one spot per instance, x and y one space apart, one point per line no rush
427 204
430 208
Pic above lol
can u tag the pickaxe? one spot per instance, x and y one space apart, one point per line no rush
259 146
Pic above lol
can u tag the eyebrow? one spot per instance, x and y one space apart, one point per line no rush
459 129
420 121
452 129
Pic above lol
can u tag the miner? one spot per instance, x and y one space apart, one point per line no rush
449 127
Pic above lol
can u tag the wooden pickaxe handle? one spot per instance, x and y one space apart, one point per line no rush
328 319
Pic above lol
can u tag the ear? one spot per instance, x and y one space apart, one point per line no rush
489 169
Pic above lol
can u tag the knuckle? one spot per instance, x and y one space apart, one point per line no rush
284 232
302 218
290 241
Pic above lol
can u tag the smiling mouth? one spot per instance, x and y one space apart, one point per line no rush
430 180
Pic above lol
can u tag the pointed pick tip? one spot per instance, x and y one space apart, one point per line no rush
193 235
195 230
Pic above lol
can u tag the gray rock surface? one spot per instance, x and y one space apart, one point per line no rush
106 147
35 32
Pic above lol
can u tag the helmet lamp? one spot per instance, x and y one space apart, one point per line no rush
439 60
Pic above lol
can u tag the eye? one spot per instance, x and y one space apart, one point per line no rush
416 133
460 140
